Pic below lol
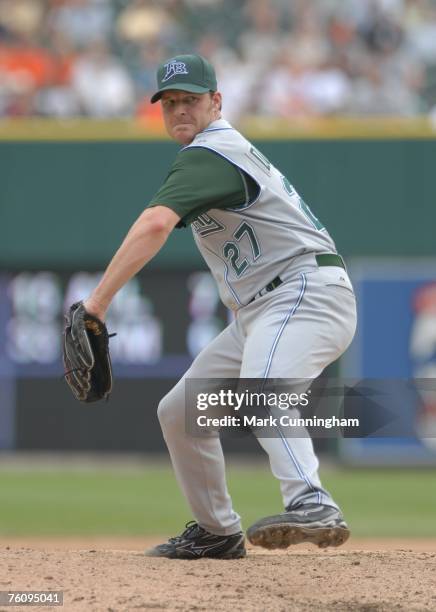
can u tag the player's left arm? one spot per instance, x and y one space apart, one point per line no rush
144 240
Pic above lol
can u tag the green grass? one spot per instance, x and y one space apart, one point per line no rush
377 503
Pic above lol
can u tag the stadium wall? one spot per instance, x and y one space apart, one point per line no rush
73 201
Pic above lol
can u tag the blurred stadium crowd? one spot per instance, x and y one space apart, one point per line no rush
97 58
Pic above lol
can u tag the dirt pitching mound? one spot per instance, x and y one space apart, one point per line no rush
365 577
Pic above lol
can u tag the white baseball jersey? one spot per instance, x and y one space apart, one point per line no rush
248 246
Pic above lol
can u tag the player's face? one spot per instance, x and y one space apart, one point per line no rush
186 114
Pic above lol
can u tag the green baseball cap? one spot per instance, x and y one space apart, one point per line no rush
191 73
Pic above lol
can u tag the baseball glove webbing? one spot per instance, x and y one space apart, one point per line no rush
87 363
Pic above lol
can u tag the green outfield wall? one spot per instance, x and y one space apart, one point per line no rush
69 202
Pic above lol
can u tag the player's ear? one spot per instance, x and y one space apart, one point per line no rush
216 100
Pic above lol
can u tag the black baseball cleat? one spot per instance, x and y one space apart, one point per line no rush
315 523
197 543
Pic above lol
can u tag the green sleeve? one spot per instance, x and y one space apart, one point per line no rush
200 180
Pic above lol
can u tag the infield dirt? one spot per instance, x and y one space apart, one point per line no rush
112 575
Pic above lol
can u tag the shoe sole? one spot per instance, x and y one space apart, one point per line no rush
227 556
240 555
182 558
282 535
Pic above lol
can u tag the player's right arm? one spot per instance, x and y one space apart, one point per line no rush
199 180
144 240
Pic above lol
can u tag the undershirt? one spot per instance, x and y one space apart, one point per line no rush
200 180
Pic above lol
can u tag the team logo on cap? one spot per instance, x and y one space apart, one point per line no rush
174 67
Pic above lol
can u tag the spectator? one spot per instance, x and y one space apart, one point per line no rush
21 17
28 63
286 92
382 33
81 21
421 34
144 71
328 89
312 57
310 46
261 41
142 20
101 83
58 98
374 96
236 76
144 75
24 68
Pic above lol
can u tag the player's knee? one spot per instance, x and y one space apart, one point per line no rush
169 412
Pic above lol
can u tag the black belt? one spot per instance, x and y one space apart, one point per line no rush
322 259
330 259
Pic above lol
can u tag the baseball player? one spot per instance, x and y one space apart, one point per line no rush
277 268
